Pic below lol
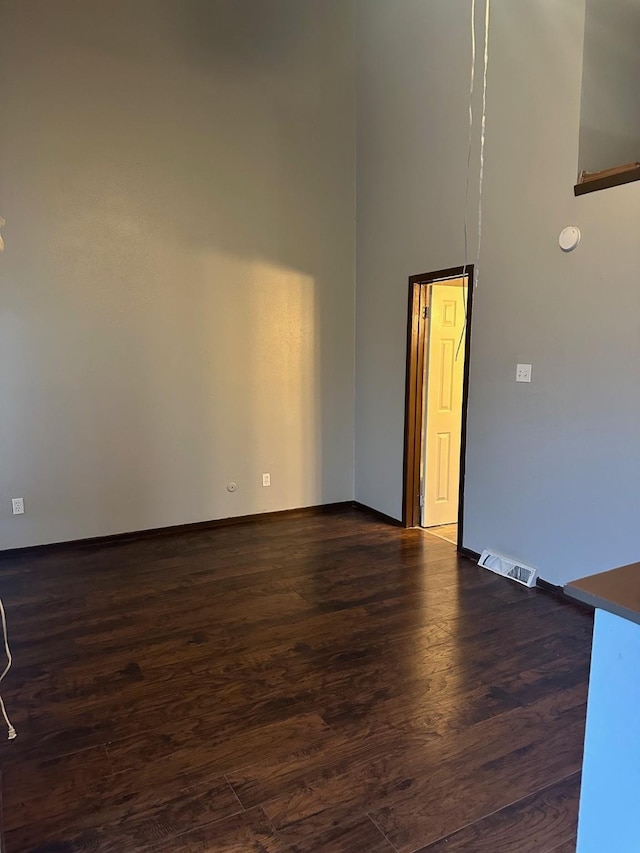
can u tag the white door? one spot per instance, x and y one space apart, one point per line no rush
443 404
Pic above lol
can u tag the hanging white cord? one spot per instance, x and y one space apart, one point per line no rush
12 731
470 145
465 297
483 136
483 132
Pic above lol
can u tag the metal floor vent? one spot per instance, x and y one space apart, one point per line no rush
508 568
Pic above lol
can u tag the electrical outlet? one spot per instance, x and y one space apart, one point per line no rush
523 373
266 479
17 506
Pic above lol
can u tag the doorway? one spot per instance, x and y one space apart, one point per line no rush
438 349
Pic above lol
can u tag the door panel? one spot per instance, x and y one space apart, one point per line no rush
442 466
444 371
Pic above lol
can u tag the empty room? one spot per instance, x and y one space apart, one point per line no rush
308 499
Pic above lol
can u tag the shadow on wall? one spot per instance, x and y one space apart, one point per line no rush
178 181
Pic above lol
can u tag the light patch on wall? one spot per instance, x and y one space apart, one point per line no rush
269 340
285 375
181 184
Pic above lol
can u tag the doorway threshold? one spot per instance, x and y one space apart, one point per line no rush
445 531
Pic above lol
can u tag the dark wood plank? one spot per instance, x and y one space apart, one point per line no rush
127 811
329 770
437 806
322 683
536 822
322 834
248 832
202 745
428 779
567 847
28 784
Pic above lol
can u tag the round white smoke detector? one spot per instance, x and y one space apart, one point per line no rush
569 238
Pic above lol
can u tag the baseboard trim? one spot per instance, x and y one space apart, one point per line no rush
381 516
467 552
551 588
558 592
192 527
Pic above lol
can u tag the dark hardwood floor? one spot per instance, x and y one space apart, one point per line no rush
319 682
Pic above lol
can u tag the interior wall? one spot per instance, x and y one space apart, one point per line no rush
552 466
176 294
610 112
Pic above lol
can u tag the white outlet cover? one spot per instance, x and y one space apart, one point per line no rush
266 479
523 373
17 506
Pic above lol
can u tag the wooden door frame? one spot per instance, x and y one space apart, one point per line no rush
417 325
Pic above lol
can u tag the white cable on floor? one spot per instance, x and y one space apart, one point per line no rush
12 731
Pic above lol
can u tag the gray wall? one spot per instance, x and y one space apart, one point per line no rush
176 294
552 467
610 114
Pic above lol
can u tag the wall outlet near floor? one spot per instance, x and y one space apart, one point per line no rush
523 373
266 479
17 506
